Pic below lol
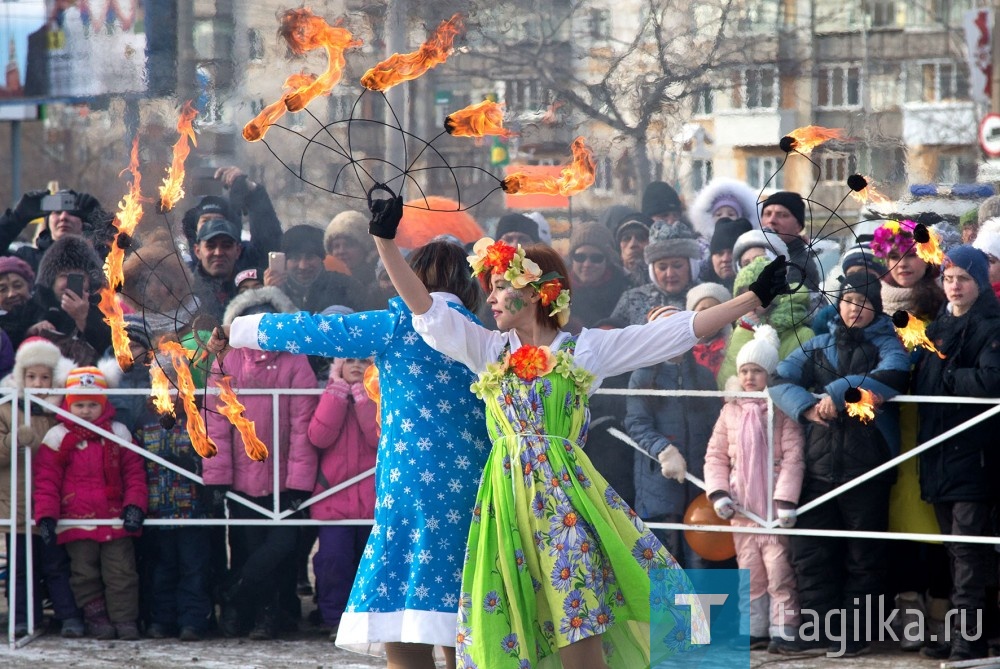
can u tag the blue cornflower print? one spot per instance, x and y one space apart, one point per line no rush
509 644
644 551
601 617
613 499
538 505
582 477
576 628
519 559
566 526
574 604
562 573
491 601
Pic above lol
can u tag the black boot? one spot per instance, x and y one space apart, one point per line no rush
265 624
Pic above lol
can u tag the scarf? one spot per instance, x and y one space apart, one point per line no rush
112 452
895 298
751 468
710 354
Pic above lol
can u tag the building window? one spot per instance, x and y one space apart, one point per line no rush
524 94
600 24
763 172
701 174
703 103
882 13
937 81
956 168
838 87
603 180
836 167
758 16
756 88
255 41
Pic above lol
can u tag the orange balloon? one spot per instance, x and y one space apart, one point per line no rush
426 218
715 546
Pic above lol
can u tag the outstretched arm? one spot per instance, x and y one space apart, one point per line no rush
771 283
407 284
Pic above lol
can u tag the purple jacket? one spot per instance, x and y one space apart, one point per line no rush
251 369
344 428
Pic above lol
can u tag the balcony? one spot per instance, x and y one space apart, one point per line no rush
952 123
753 127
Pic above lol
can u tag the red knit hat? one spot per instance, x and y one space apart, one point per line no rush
86 378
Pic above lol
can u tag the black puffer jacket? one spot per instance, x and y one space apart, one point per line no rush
964 467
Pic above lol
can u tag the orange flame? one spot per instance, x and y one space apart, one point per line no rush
126 221
809 137
914 334
200 440
233 410
255 129
930 251
162 400
398 68
374 391
869 194
575 177
304 31
864 409
172 189
479 120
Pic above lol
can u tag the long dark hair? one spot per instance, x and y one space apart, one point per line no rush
444 267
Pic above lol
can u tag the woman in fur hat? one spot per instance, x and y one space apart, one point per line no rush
38 364
73 321
723 198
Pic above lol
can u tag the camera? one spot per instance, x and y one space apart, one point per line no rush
61 201
276 261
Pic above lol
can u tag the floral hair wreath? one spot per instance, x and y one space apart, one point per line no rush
893 236
499 257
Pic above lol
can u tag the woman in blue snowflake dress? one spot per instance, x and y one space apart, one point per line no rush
430 456
558 567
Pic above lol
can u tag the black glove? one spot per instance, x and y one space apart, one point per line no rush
133 517
29 207
386 215
296 498
47 530
215 497
773 281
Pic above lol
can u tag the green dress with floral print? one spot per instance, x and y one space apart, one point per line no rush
554 554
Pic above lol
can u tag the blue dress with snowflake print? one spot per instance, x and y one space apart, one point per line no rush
430 458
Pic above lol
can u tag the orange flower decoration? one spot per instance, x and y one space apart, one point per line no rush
498 257
549 291
530 362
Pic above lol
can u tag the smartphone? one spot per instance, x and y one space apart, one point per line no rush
276 261
61 201
74 282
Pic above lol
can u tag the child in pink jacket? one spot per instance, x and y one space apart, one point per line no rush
345 431
736 472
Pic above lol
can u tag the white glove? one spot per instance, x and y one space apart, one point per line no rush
786 518
725 507
672 463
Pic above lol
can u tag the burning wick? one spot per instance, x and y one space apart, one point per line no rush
920 234
901 318
124 241
852 395
857 183
787 143
167 421
911 331
860 403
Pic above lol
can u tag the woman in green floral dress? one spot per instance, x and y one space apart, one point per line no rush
558 566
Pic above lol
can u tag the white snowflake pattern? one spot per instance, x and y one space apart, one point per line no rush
324 326
444 406
421 591
433 523
426 413
355 331
443 376
389 534
462 462
292 347
449 600
455 485
424 444
262 338
415 369
410 338
415 534
388 501
394 475
406 425
409 395
383 590
400 446
425 557
453 516
427 476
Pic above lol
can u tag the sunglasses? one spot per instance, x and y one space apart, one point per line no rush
596 258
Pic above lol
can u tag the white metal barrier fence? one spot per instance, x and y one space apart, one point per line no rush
20 410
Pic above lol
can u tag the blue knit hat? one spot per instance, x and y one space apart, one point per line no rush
973 261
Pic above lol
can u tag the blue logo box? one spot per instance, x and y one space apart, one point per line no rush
696 620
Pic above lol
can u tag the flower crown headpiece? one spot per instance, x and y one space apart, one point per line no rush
904 236
499 257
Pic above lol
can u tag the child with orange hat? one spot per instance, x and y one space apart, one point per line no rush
82 475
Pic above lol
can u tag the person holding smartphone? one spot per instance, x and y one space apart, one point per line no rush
66 212
66 297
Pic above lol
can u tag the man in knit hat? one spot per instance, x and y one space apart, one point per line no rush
660 202
784 212
673 261
517 229
632 236
959 475
720 268
305 280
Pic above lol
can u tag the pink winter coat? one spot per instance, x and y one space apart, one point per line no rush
72 486
344 428
723 453
252 369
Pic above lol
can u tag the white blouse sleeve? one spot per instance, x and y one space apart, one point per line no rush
611 352
450 332
243 332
